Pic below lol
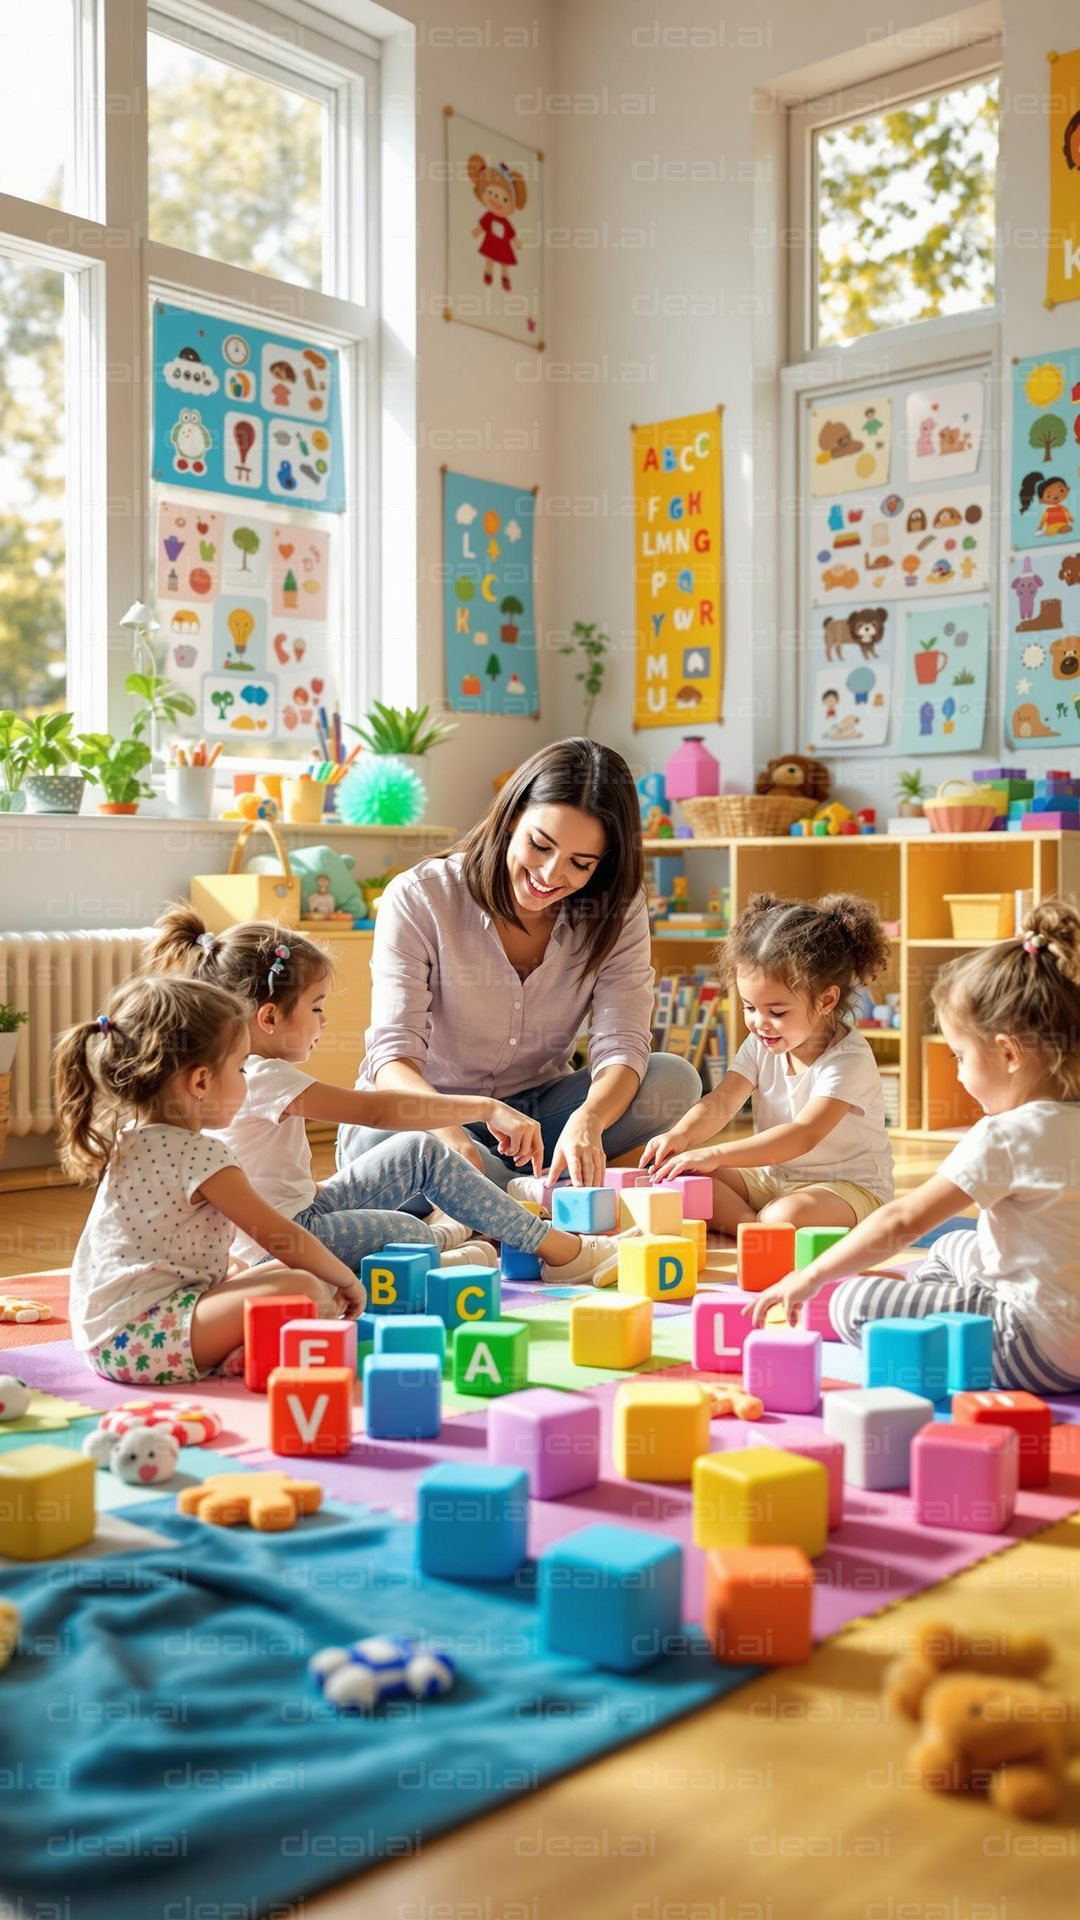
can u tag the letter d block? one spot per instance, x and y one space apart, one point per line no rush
461 1294
765 1254
394 1282
761 1497
46 1502
661 1269
721 1329
491 1358
263 1321
759 1605
319 1343
311 1409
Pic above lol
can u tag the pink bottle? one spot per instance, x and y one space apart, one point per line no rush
692 770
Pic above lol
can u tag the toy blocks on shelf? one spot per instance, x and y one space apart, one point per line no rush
659 1267
585 1209
554 1436
811 1242
765 1254
913 1354
1029 1418
411 1333
515 1264
760 1497
492 1358
395 1282
811 1444
311 1409
720 1332
611 1330
782 1366
695 1192
877 1426
611 1595
759 1604
814 1315
661 1426
263 1321
402 1396
472 1521
971 1351
965 1476
46 1502
653 1210
461 1294
318 1343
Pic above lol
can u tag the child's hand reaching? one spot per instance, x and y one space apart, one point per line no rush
701 1160
790 1293
517 1136
660 1149
351 1300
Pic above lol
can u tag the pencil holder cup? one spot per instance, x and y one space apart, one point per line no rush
189 792
303 801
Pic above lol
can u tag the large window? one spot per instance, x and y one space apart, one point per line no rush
33 620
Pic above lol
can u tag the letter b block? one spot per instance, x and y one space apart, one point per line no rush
661 1269
460 1294
491 1358
263 1321
46 1502
765 1254
311 1409
394 1282
319 1343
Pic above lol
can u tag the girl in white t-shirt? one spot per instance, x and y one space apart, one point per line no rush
1011 1015
152 1299
820 1156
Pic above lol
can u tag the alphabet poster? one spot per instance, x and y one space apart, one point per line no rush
1063 229
678 549
901 545
850 445
1045 449
488 597
495 232
944 430
241 411
946 680
1042 667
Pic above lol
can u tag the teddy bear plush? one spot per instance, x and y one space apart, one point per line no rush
988 1732
795 776
940 1648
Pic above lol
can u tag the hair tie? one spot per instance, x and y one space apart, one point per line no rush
103 1023
281 954
207 941
1035 942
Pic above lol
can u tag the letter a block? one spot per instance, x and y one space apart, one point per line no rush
46 1502
1025 1413
472 1522
461 1294
263 1321
660 1428
783 1368
913 1354
656 1210
554 1436
584 1209
402 1396
319 1343
761 1497
610 1330
611 1595
759 1605
765 1255
311 1409
659 1268
492 1358
721 1330
965 1476
395 1281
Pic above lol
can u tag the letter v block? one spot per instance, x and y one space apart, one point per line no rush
311 1409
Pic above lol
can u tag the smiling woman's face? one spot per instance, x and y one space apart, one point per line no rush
553 852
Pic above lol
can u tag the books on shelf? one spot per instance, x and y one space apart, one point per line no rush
687 1016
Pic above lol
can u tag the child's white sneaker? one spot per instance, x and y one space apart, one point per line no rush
475 1253
597 1261
448 1233
527 1186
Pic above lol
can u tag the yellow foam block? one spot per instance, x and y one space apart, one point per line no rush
652 1209
612 1331
46 1502
662 1267
660 1429
761 1497
696 1232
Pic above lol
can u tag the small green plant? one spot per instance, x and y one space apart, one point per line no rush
14 751
50 744
161 702
397 730
911 786
927 646
590 645
115 766
965 678
11 1018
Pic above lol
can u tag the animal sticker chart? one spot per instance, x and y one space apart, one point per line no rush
495 232
1042 667
489 620
850 679
678 547
1063 228
946 680
943 430
1045 468
901 545
850 446
238 410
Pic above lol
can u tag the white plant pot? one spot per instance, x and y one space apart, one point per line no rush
8 1044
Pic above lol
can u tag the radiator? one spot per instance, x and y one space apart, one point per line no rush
58 979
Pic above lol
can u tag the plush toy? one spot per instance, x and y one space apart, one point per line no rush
15 1396
23 1312
141 1457
309 863
190 1424
9 1631
940 1648
383 1667
271 1502
796 777
989 1732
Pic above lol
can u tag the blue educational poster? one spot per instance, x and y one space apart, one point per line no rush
240 411
946 679
488 597
1045 476
1042 663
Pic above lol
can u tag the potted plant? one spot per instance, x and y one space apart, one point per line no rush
14 761
511 609
11 1019
406 732
54 782
116 766
162 704
911 791
590 644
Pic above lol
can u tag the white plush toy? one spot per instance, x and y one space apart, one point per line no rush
384 1667
15 1396
141 1457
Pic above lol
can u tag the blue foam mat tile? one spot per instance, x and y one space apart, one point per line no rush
959 1221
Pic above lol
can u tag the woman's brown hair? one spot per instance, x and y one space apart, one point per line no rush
113 1068
836 941
1028 988
259 959
594 780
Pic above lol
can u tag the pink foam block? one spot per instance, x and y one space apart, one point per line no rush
554 1436
319 1343
830 1453
697 1195
622 1177
720 1332
965 1477
814 1316
783 1368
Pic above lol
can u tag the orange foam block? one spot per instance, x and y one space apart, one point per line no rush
765 1254
759 1605
311 1410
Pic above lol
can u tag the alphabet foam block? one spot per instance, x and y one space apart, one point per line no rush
46 1502
584 1209
814 1445
411 1333
311 1409
661 1426
515 1264
492 1358
697 1233
402 1396
765 1254
619 1178
761 1497
721 1330
971 1351
611 1595
460 1294
395 1281
759 1604
810 1242
656 1210
695 1191
611 1330
782 1366
472 1521
318 1343
659 1267
1025 1413
965 1476
431 1253
877 1426
913 1354
263 1321
554 1436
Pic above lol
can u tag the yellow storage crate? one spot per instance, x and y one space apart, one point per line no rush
981 916
225 899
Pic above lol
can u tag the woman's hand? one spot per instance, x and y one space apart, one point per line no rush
516 1136
579 1151
790 1293
661 1148
701 1160
462 1143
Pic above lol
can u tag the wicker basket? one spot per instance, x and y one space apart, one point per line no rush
742 816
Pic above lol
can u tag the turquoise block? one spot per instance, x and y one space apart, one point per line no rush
611 1595
394 1282
402 1396
514 1264
411 1333
971 1351
460 1294
585 1209
431 1254
471 1522
911 1354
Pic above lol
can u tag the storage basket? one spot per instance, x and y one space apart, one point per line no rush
742 816
225 899
981 916
969 811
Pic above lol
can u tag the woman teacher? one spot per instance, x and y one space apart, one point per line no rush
489 960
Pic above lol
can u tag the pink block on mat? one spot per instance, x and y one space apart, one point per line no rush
319 1343
720 1330
830 1453
783 1368
622 1177
697 1195
814 1314
965 1477
554 1436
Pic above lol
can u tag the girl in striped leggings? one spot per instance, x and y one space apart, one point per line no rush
1011 1016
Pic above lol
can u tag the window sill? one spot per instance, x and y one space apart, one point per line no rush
150 823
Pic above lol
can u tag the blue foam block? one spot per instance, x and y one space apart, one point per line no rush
411 1333
394 1282
472 1521
514 1264
431 1254
585 1209
971 1351
611 1595
458 1294
402 1396
959 1221
912 1354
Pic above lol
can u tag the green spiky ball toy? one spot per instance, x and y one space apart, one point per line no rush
379 792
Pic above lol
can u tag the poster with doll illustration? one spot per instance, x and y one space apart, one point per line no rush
494 248
1045 446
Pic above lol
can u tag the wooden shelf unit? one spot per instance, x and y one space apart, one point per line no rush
907 877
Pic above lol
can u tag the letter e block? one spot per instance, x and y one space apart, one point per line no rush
319 1343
